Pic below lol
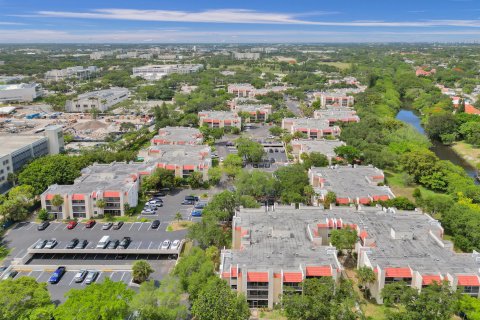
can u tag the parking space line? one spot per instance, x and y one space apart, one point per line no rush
71 281
123 275
28 274
150 244
41 273
30 227
59 225
98 278
111 275
140 226
139 245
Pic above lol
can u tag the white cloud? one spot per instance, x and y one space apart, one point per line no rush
242 16
4 23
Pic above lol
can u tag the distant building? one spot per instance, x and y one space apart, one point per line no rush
220 119
241 90
357 184
334 99
246 55
178 135
325 147
181 159
420 72
156 72
78 72
18 150
312 128
23 92
116 183
100 100
257 112
100 55
336 115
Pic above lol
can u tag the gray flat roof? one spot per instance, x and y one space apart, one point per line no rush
180 154
324 146
11 143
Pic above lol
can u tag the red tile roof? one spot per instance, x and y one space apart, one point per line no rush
428 279
343 200
398 273
292 277
468 280
471 109
111 194
78 196
257 276
234 272
363 234
170 167
319 271
383 198
49 196
364 200
188 167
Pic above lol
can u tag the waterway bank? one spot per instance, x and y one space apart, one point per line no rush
442 151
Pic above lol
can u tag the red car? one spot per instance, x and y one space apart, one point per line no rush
90 223
71 225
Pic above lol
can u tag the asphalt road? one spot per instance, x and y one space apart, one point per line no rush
293 106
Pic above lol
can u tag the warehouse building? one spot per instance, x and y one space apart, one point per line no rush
23 92
100 100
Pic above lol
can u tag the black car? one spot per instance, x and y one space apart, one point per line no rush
188 202
81 244
42 226
272 160
124 243
276 150
192 198
160 194
113 244
117 225
267 164
155 224
72 244
10 275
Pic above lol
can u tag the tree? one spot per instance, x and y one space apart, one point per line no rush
314 159
208 232
439 124
162 303
292 181
24 299
258 184
178 216
160 178
470 306
101 203
57 200
344 239
365 276
349 153
397 293
232 164
141 270
330 198
217 302
43 214
108 300
195 180
276 131
222 206
215 175
250 150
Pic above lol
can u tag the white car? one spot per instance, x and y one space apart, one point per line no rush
165 245
148 211
175 245
51 244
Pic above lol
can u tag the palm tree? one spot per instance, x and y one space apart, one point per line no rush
141 270
365 276
57 201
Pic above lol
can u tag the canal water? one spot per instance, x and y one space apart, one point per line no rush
442 151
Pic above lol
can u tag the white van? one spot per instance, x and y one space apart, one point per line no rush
103 243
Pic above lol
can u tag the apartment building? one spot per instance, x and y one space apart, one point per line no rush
116 184
182 159
23 92
335 99
100 100
337 115
178 135
405 246
18 150
241 90
313 128
351 184
273 251
98 55
246 55
156 72
220 119
325 147
257 112
77 72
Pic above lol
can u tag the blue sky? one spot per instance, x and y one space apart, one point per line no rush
262 21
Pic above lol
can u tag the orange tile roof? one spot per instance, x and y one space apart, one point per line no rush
468 280
257 276
398 272
471 109
428 279
111 194
78 196
292 277
319 271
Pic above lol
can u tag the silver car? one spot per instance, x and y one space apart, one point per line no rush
175 245
91 277
165 245
80 276
51 244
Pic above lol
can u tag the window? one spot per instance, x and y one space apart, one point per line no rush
472 291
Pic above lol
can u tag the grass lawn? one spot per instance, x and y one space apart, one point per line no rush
269 314
339 65
467 152
179 225
395 182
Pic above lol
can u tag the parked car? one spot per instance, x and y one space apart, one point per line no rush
200 205
175 245
276 150
148 211
188 202
10 275
165 244
57 275
197 213
81 244
103 243
72 244
40 244
117 225
155 204
90 223
80 276
192 198
91 277
42 226
71 225
157 199
271 150
272 160
51 244
160 194
155 224
107 225
267 165
124 243
113 244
